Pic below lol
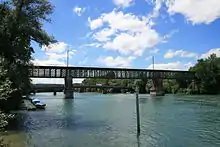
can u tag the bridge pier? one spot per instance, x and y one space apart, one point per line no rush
157 89
142 89
54 93
68 91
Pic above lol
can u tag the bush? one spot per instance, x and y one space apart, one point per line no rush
3 123
2 143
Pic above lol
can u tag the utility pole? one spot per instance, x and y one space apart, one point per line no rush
67 58
153 61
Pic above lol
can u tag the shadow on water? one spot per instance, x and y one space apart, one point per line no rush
143 100
51 122
100 120
157 100
138 141
65 119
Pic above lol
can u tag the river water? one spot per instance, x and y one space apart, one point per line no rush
97 120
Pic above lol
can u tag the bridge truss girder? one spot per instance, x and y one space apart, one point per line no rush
109 73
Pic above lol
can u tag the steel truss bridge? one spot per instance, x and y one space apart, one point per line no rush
111 73
68 73
60 88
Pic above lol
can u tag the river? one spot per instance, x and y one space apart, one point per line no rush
97 120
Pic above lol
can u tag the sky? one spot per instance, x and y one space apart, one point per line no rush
128 33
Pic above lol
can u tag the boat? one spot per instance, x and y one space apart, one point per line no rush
31 98
34 101
40 105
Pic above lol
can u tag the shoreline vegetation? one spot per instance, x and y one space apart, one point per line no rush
21 22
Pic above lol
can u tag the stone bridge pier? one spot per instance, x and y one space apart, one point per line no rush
157 88
68 89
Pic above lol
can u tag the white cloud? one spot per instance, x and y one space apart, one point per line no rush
124 22
188 65
196 11
91 45
54 59
48 62
171 66
134 44
125 33
154 51
104 35
148 58
180 53
169 35
156 9
96 23
212 51
79 11
55 55
116 62
123 3
84 61
58 47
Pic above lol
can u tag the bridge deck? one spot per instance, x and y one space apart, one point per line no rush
79 86
111 73
60 88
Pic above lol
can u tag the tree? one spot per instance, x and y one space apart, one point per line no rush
21 23
208 74
5 91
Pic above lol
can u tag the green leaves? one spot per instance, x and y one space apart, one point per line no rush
5 84
208 74
21 23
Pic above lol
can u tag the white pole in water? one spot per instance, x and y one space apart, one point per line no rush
137 111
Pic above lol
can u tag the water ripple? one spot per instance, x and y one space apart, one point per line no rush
110 121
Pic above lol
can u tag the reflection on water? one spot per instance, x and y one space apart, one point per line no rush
110 121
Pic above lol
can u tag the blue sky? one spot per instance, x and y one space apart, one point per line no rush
127 33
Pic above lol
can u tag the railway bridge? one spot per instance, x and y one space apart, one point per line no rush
68 73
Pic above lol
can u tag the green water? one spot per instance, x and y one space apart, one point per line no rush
97 120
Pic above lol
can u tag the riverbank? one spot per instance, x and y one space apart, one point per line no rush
27 105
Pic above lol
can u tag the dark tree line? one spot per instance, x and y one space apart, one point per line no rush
207 79
208 75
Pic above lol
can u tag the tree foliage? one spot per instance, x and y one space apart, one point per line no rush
21 23
5 91
208 74
5 85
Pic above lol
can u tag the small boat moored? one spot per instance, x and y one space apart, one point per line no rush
34 101
40 105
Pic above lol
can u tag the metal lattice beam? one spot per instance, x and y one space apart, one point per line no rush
111 73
